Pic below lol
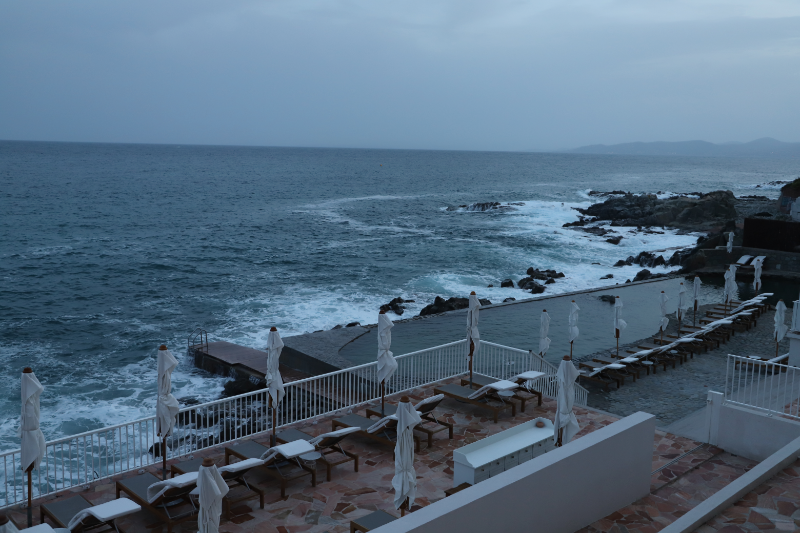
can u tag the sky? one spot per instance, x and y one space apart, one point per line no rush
427 74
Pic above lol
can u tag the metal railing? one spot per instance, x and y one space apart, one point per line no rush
770 387
81 459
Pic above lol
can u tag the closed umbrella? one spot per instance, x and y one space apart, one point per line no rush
619 324
730 289
780 326
573 324
6 525
730 242
212 489
273 377
662 302
544 329
757 275
683 303
695 296
405 477
473 335
166 405
565 423
32 445
387 364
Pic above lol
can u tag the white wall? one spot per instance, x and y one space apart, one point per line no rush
753 434
560 491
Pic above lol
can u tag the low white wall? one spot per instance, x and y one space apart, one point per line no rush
752 434
560 491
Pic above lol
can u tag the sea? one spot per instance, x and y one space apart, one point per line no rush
109 250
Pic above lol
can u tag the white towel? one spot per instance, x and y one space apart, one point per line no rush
106 512
338 433
432 399
381 423
290 450
155 490
240 465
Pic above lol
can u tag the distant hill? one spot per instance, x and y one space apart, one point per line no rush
766 147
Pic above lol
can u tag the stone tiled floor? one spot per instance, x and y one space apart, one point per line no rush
331 505
773 506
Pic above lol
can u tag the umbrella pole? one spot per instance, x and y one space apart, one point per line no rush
471 349
776 352
164 458
662 335
694 317
560 436
617 335
570 348
30 487
272 439
383 394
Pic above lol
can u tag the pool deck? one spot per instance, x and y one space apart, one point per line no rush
331 505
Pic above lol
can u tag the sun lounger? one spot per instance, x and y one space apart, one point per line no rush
479 381
278 462
598 376
159 497
467 395
373 520
614 369
743 260
385 433
326 444
425 409
233 475
752 264
632 369
79 514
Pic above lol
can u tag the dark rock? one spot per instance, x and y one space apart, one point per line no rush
394 306
763 214
509 300
337 326
621 263
506 283
535 288
188 400
659 261
490 285
559 275
353 324
440 305
627 281
597 231
549 281
521 283
241 385
695 261
614 240
607 298
608 276
530 271
643 275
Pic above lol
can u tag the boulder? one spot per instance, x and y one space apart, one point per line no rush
353 324
509 300
549 281
507 283
615 239
608 276
535 288
643 275
621 263
607 298
394 306
440 305
694 261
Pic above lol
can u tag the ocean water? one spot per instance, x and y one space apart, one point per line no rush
107 251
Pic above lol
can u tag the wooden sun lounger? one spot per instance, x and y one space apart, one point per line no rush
136 489
462 395
656 359
326 447
618 374
61 512
426 413
233 480
678 356
720 335
600 377
386 435
751 264
479 380
249 449
745 259
633 368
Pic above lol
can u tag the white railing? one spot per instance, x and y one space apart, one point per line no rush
80 459
770 387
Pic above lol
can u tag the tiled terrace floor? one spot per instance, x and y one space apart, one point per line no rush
331 505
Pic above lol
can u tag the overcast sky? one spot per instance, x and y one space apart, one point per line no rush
461 74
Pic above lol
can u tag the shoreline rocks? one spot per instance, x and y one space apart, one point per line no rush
440 305
395 306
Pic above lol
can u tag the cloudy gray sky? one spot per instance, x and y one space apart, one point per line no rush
460 74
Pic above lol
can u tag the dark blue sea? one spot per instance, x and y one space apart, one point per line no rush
108 250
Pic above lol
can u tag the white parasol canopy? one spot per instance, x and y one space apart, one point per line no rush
212 489
472 323
757 274
730 288
662 302
573 321
33 443
565 418
166 405
730 242
386 362
544 329
683 302
619 324
780 318
273 378
8 527
405 477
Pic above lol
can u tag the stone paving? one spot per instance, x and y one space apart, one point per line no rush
678 392
774 505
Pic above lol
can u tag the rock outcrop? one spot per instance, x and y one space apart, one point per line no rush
395 306
440 305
